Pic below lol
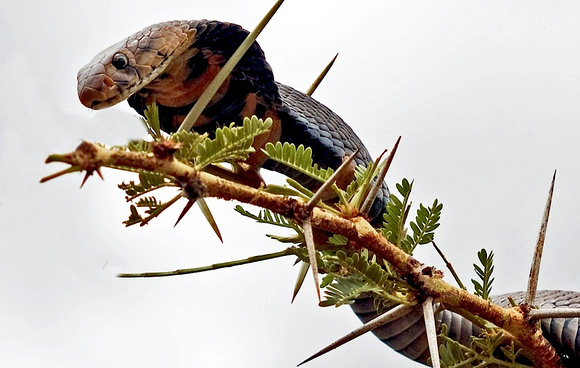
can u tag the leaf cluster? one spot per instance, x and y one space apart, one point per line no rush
268 217
490 350
231 144
351 276
298 159
395 219
148 181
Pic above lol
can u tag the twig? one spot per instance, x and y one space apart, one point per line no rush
449 266
216 266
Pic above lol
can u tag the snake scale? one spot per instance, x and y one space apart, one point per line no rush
172 63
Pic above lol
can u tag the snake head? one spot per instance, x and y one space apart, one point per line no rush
124 68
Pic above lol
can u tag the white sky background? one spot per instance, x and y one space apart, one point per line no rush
485 94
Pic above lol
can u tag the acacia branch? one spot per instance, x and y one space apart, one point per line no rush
90 157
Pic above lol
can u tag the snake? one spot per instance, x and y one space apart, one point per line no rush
171 63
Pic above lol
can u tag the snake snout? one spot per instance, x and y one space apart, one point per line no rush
95 91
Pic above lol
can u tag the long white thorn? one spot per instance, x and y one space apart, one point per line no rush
218 80
319 79
379 180
555 313
431 331
328 184
393 314
307 225
535 268
309 238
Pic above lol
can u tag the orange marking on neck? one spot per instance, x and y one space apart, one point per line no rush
174 90
257 159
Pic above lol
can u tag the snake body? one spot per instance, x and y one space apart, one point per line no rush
171 63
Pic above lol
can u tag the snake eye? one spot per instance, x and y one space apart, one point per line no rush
120 61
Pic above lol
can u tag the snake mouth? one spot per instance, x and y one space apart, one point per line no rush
94 99
101 91
100 105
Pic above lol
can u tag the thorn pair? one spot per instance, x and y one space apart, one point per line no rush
306 223
206 212
340 172
394 314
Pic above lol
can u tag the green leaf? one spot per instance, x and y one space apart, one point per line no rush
151 121
148 182
359 188
483 288
139 146
233 143
489 350
298 159
424 226
356 275
396 216
153 208
134 217
344 291
338 240
327 280
267 217
189 140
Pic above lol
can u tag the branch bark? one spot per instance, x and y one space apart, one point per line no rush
516 321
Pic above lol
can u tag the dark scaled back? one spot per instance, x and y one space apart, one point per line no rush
306 121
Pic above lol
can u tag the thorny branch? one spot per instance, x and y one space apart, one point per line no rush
90 157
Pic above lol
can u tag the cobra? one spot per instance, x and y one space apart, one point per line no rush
172 63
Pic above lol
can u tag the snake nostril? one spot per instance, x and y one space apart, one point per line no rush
95 89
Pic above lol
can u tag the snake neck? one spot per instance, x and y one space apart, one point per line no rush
249 90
